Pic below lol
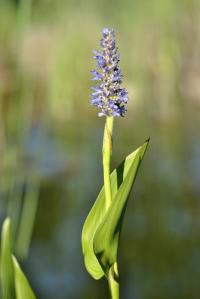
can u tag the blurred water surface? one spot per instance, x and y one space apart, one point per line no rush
50 142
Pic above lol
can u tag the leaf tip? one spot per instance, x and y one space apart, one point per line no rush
148 140
6 228
6 223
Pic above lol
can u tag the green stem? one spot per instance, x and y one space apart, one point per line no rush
107 152
113 282
27 220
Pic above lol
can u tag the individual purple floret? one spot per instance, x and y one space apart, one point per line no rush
108 95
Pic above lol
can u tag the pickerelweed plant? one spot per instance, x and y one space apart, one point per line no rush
101 230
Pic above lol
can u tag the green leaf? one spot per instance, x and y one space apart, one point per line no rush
101 230
22 286
14 283
106 238
7 270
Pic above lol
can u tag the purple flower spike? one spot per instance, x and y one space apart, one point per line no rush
108 96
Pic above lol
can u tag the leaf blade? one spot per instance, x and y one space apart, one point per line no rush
107 235
97 214
22 286
7 270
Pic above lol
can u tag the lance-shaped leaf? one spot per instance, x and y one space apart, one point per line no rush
95 261
7 270
22 286
13 281
106 238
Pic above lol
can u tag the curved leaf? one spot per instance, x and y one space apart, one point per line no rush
22 286
98 212
13 281
106 238
7 270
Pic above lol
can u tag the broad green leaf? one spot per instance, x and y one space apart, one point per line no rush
98 213
22 286
7 270
106 238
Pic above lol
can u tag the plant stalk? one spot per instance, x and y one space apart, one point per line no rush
113 282
107 152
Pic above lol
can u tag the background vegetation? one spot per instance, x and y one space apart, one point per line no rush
50 141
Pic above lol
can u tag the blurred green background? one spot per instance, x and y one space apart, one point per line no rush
50 142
